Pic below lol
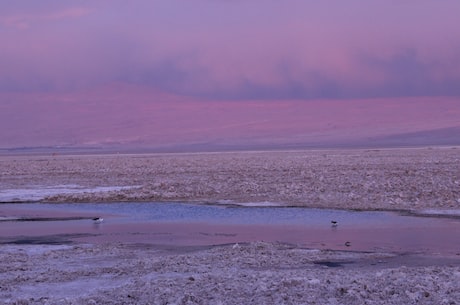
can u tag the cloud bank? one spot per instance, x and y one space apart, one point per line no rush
234 49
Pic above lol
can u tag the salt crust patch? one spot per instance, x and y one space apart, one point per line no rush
33 249
37 193
251 204
255 273
440 212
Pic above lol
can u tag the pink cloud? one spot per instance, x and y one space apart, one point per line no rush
24 21
230 49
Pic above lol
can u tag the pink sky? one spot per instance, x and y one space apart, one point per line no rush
200 71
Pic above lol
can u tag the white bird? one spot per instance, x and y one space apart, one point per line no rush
334 223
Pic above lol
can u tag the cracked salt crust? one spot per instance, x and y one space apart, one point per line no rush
37 193
256 273
390 179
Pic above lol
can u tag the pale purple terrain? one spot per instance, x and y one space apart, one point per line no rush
128 116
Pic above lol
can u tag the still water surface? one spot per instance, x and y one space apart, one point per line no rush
195 224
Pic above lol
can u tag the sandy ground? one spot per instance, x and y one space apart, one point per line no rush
254 273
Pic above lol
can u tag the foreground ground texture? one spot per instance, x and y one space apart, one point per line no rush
254 273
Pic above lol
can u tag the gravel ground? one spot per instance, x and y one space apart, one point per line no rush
255 273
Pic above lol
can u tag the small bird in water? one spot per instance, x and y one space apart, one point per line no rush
348 244
98 220
334 223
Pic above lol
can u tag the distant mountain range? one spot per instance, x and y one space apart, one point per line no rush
124 117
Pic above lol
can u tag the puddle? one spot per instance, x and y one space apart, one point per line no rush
198 225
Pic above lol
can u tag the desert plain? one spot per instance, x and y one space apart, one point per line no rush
420 181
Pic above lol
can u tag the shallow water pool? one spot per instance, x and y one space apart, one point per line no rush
198 224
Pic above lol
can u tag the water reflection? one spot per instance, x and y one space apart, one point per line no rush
187 224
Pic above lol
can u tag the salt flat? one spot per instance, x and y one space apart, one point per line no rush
385 179
257 272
